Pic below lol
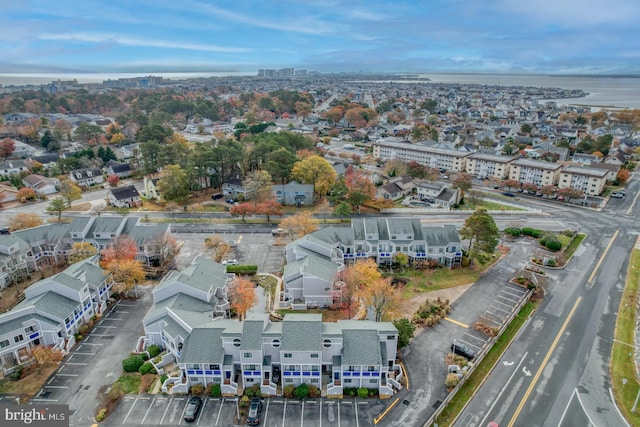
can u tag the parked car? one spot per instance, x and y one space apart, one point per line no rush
230 262
192 409
279 232
463 350
506 193
217 196
617 195
5 230
255 408
230 201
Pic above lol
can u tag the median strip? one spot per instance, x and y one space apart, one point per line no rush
455 322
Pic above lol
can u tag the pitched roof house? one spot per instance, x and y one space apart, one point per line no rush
124 197
87 177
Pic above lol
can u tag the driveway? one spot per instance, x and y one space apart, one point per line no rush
97 360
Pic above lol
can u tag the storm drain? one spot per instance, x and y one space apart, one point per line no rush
437 404
406 402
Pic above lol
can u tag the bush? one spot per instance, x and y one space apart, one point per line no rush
102 414
350 391
452 380
553 244
302 391
533 232
363 392
288 390
216 390
314 391
197 389
146 368
154 350
163 378
513 231
132 363
568 233
16 374
253 391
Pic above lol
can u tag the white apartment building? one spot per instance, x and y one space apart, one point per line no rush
488 166
592 181
433 157
537 172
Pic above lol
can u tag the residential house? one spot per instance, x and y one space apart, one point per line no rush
233 187
41 185
8 193
46 160
22 150
617 158
87 177
585 159
293 193
540 173
10 167
52 312
124 197
441 158
491 166
112 167
438 194
612 170
396 188
150 189
592 181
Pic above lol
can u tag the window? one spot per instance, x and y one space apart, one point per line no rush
194 379
347 381
372 369
315 368
391 337
247 355
288 380
287 355
251 367
326 343
237 342
373 381
314 355
18 338
275 343
29 329
4 343
214 367
314 381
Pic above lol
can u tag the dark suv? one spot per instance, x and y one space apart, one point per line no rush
255 407
462 350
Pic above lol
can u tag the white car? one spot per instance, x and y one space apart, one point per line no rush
230 262
617 195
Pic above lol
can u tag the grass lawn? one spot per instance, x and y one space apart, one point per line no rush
491 206
440 278
622 365
269 284
31 381
484 368
130 383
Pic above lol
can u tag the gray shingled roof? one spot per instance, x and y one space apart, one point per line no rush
360 347
79 223
201 275
302 332
204 345
56 305
105 225
441 235
252 335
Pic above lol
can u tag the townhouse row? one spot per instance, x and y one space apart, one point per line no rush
53 311
591 179
313 262
26 251
189 320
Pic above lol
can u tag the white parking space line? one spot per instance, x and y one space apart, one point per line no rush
56 386
500 309
266 411
130 409
87 354
515 294
219 411
475 338
204 403
302 415
89 343
284 413
506 305
148 409
512 301
166 409
38 399
357 421
67 375
76 363
471 345
108 327
112 318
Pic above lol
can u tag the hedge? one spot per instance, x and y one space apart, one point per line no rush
146 368
154 350
513 231
242 269
533 232
216 390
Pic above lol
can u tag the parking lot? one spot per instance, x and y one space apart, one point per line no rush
256 248
276 412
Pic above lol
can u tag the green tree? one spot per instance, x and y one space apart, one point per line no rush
258 186
87 132
463 182
481 231
316 171
405 331
174 186
57 206
525 128
343 210
280 163
150 157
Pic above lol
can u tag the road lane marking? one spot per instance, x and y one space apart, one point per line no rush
379 418
604 254
544 363
630 210
455 322
515 371
167 408
615 405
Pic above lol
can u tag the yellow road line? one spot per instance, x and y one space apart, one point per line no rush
544 363
379 418
404 371
604 254
455 322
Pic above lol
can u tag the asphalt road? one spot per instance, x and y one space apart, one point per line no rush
556 372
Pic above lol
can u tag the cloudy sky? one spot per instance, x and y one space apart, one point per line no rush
541 36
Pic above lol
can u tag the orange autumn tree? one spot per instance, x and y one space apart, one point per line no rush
242 296
121 248
382 299
355 279
45 357
119 259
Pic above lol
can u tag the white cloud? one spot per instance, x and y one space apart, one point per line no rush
134 41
